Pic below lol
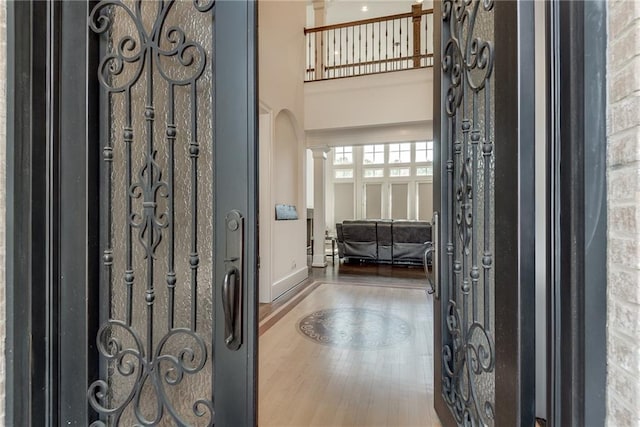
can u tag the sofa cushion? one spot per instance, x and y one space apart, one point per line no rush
411 232
385 241
360 239
409 240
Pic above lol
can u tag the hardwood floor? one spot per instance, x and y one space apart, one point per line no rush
364 358
400 276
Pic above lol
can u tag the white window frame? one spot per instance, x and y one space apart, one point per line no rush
408 148
360 181
343 149
375 151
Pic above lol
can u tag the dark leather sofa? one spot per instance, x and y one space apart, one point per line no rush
383 241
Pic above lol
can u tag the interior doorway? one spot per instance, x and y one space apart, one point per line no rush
384 370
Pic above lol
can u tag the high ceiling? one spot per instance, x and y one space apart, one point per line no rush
353 10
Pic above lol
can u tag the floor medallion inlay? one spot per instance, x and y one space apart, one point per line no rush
356 328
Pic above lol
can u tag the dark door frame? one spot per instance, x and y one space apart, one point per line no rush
27 274
514 257
47 55
45 63
576 209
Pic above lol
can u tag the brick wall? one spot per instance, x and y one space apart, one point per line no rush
3 138
623 182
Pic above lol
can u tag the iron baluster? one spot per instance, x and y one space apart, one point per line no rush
308 55
379 48
359 49
426 40
386 45
327 64
353 50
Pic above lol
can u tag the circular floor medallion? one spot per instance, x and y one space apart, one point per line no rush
357 328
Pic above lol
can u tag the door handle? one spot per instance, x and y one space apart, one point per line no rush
435 258
429 274
232 298
230 305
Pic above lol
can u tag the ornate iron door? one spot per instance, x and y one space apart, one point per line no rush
175 328
480 206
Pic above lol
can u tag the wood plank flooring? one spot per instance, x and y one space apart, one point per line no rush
305 383
399 276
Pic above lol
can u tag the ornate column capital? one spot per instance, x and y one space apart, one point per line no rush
320 152
318 4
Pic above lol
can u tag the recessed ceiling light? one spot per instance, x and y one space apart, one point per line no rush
364 8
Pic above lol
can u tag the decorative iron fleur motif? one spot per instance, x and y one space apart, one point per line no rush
153 367
149 187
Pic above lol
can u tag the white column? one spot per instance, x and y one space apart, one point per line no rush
319 13
319 20
319 205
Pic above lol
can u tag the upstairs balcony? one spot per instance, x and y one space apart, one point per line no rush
370 46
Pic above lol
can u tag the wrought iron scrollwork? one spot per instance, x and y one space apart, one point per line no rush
151 368
158 371
468 354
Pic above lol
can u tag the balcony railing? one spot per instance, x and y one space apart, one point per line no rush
370 46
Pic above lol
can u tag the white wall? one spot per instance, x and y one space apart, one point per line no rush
309 175
375 134
265 138
282 159
373 109
401 97
345 11
289 237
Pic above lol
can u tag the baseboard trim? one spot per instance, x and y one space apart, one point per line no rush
283 285
319 261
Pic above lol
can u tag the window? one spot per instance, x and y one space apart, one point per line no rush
424 151
393 172
373 154
400 153
343 173
391 180
343 155
373 172
424 171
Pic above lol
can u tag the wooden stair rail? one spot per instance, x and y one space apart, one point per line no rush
370 46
